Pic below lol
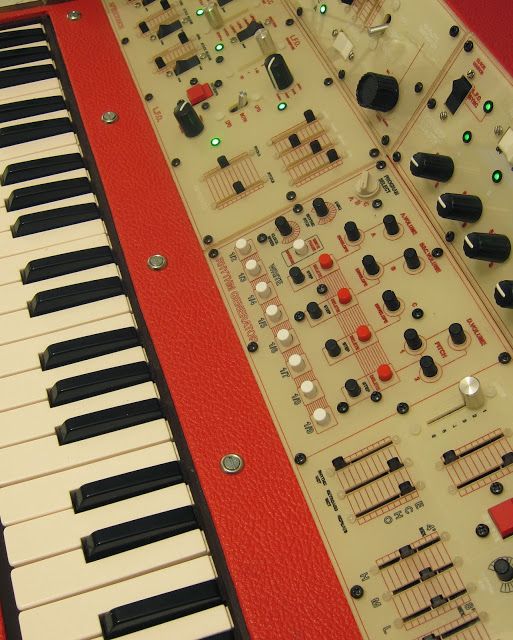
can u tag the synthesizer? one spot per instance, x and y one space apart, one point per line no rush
256 337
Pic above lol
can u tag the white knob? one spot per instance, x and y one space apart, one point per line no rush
252 267
243 246
321 417
296 362
300 247
366 185
284 337
263 289
308 389
273 312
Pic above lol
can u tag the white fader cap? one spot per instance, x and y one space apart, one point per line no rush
252 267
284 337
321 417
296 362
263 290
243 246
273 313
308 389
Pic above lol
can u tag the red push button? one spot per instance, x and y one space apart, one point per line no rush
364 333
385 372
326 261
198 93
502 516
344 296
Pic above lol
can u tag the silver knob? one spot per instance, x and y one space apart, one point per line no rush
470 389
214 16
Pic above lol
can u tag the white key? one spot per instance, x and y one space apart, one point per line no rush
10 246
71 148
24 356
51 494
76 618
15 296
19 325
6 191
7 219
21 91
11 266
197 626
62 113
37 146
31 387
39 420
41 457
62 532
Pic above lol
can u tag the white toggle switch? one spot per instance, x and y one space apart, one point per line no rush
243 246
252 267
273 313
284 337
263 290
300 247
321 417
343 45
296 362
308 389
366 186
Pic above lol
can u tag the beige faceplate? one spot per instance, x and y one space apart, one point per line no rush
393 489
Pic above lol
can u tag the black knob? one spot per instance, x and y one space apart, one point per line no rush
320 207
412 339
391 226
456 206
189 121
283 226
352 388
333 348
457 333
491 247
504 294
428 366
378 92
314 310
432 166
370 265
503 569
411 258
352 232
390 300
278 71
297 275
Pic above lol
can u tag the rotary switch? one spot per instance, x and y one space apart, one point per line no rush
283 226
503 569
378 92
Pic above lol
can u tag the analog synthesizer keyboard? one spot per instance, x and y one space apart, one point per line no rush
256 320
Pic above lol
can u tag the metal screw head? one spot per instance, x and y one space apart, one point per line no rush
109 117
74 15
157 262
232 463
498 130
471 74
482 530
443 115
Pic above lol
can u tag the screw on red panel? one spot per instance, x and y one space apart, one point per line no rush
385 372
344 296
364 333
326 261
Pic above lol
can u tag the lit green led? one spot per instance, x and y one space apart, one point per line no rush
323 8
282 106
497 176
219 46
488 106
200 12
467 137
215 142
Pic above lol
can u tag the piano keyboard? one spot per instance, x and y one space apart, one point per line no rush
101 528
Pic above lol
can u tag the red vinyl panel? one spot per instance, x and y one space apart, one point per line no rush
284 579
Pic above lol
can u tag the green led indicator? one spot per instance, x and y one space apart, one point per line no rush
215 142
200 12
497 176
323 9
488 106
219 46
467 137
282 106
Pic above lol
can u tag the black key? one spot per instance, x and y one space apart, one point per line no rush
136 533
159 609
223 635
38 194
126 485
87 347
41 167
13 57
64 263
74 295
20 133
23 36
29 108
54 219
24 75
96 383
109 420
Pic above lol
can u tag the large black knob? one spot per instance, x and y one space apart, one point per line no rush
333 348
390 300
432 166
278 71
428 366
189 121
391 226
296 275
456 206
353 388
411 258
503 569
370 265
320 207
314 310
283 226
457 334
491 247
352 232
504 294
378 92
412 339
